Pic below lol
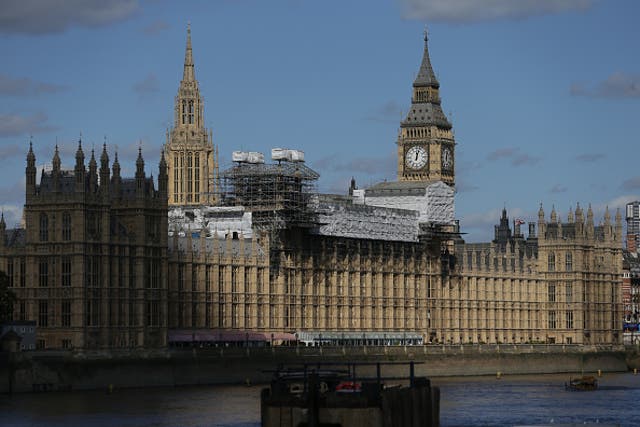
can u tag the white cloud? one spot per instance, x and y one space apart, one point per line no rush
156 27
54 16
23 86
147 86
516 157
390 112
619 202
617 85
15 124
632 183
558 188
466 11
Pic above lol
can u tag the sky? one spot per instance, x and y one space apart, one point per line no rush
543 95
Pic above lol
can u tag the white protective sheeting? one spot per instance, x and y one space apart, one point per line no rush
367 222
217 221
435 204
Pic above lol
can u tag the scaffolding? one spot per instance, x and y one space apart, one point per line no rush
277 195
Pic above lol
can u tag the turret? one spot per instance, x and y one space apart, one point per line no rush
140 173
93 174
559 223
590 226
618 229
608 229
79 169
116 180
3 231
579 214
163 178
352 186
104 172
541 223
55 172
30 172
502 231
570 219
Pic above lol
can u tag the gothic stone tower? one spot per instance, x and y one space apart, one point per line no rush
425 141
192 159
91 265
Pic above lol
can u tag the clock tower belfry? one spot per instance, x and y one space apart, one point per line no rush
425 142
192 159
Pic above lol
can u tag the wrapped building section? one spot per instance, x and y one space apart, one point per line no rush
434 202
366 222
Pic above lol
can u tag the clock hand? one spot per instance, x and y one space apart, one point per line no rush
416 156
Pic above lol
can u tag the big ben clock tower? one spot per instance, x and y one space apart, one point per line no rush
425 142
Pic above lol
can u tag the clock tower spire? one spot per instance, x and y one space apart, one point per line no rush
425 141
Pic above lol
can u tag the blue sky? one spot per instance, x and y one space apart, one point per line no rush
544 95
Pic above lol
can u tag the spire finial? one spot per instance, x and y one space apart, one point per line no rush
189 74
426 76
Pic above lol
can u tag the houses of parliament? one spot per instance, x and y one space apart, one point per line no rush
256 253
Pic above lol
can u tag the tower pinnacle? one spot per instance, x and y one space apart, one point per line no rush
189 72
426 76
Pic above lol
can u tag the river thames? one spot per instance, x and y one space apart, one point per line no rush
468 402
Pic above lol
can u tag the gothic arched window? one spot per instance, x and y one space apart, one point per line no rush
44 227
551 262
191 111
66 226
568 261
184 112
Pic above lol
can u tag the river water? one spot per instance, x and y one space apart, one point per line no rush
468 402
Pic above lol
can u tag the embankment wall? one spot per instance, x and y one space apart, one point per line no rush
50 371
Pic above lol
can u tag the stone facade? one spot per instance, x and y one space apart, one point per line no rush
561 285
90 265
95 267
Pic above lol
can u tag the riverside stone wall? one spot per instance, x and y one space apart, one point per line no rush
51 371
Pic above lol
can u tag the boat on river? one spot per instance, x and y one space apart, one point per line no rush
353 394
584 383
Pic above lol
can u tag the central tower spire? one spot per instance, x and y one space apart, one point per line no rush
189 150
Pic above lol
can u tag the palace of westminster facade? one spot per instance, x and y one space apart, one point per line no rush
109 262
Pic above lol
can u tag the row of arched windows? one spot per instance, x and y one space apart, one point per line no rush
568 261
66 227
188 112
186 183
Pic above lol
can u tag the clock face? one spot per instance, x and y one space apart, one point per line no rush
416 157
447 159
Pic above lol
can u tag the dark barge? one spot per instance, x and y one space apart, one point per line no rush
349 395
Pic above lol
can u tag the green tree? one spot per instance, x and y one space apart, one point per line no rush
7 298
